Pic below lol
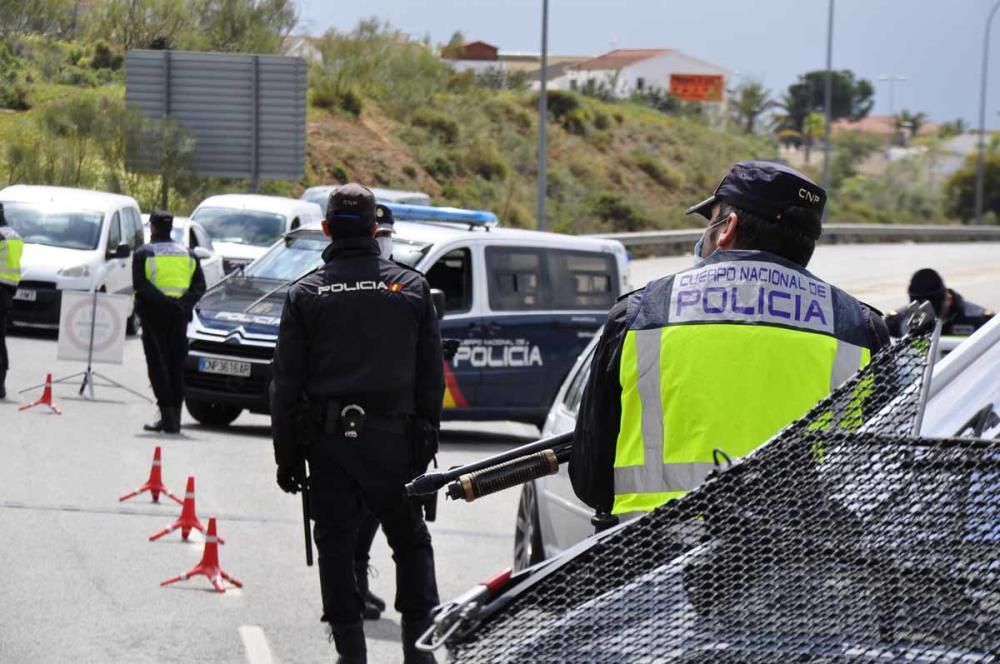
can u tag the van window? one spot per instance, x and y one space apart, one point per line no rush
516 281
582 280
133 228
574 393
115 233
528 279
452 273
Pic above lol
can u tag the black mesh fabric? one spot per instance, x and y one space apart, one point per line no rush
842 539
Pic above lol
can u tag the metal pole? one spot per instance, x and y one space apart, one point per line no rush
980 160
828 101
543 114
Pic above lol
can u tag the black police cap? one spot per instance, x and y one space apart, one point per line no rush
766 189
160 218
926 283
351 202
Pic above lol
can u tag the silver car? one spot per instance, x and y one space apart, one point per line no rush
964 401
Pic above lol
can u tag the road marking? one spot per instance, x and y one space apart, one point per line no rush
255 644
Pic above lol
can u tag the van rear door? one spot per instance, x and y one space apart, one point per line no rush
452 272
544 306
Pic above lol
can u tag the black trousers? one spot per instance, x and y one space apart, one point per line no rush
164 338
349 477
6 300
366 536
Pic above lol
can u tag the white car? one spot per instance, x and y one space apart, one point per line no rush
321 194
194 237
75 240
244 226
964 401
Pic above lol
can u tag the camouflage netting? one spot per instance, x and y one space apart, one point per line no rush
843 539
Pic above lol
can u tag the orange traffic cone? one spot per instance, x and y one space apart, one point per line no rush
46 399
209 565
154 485
188 520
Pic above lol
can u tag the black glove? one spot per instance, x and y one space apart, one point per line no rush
288 479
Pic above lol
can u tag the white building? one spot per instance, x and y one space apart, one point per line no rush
626 71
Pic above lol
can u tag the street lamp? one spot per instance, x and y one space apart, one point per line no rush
982 117
892 80
543 112
828 98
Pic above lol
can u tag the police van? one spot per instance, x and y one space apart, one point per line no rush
522 303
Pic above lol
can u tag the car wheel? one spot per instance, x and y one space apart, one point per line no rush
528 549
133 325
212 414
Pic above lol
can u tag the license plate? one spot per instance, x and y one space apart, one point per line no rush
224 367
25 295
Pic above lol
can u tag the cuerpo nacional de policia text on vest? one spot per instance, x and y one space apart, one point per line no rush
724 355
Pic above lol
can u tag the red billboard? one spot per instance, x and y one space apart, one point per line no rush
697 87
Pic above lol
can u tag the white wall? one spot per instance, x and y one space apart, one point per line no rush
655 72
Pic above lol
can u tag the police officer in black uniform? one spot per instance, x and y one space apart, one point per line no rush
359 344
960 317
168 283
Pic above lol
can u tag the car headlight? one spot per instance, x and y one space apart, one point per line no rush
75 271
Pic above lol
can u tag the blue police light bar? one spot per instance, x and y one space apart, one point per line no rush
402 212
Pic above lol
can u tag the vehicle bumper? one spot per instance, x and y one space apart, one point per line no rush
250 392
43 313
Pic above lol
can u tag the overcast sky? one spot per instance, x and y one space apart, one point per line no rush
935 44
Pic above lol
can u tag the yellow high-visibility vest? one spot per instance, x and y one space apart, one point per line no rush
11 249
723 356
170 268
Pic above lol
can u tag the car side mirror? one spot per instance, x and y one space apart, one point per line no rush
201 253
121 251
439 301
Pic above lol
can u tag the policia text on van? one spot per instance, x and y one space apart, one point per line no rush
720 356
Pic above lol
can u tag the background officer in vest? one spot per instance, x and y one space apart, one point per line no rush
722 355
11 247
359 343
168 283
960 317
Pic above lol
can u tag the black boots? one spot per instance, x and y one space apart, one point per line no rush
3 379
350 643
169 422
412 630
373 604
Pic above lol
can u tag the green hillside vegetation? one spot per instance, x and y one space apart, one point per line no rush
388 112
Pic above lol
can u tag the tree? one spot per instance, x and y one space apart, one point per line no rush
812 130
132 24
907 125
960 189
455 47
47 17
245 26
953 128
747 102
851 98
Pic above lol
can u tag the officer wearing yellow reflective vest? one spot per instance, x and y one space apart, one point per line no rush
722 355
11 247
168 283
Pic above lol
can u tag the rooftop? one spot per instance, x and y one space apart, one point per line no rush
622 57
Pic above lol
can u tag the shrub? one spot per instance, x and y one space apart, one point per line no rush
440 167
410 172
615 209
602 121
339 173
660 172
105 58
575 122
560 103
78 76
486 162
438 124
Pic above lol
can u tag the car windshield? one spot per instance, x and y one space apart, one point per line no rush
318 195
55 227
260 229
302 252
290 259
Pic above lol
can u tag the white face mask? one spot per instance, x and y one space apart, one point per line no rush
385 245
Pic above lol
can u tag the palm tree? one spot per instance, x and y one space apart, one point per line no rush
812 129
748 102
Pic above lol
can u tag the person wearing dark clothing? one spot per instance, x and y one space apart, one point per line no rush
168 283
11 247
959 316
359 345
722 355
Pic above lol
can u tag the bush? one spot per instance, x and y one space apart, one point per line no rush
663 174
575 122
410 172
73 75
105 58
440 167
960 190
560 103
602 121
615 209
339 173
438 124
487 163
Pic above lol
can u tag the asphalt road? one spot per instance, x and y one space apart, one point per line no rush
82 579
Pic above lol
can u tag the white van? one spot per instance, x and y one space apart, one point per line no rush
74 239
321 194
244 226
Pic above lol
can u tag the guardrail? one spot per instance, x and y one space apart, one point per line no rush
680 241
